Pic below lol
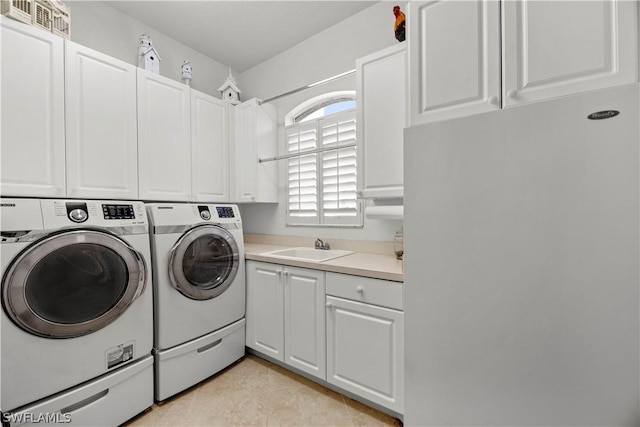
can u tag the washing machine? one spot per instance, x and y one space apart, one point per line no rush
77 309
199 292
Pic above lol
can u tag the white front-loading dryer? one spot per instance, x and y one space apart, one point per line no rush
76 296
199 291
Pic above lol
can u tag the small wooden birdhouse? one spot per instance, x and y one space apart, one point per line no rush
229 90
148 57
186 71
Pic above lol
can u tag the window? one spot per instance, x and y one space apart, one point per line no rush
322 174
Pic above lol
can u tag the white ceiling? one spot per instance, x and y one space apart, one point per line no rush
240 33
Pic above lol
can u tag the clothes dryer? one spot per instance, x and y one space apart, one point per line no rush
76 307
199 288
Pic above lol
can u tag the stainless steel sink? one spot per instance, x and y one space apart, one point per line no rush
307 254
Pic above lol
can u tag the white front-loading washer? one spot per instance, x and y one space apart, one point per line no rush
77 307
199 292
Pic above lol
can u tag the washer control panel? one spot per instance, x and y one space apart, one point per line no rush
98 213
118 212
225 212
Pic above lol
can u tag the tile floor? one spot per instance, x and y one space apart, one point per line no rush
255 392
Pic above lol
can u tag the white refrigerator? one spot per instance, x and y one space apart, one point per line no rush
521 265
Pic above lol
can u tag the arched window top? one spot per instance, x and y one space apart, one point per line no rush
321 106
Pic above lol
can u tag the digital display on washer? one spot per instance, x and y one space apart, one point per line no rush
118 212
225 212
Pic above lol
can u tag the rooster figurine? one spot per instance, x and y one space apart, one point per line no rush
399 24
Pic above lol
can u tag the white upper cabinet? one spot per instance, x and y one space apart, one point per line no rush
209 148
164 144
547 49
256 133
381 119
454 58
32 99
555 48
101 126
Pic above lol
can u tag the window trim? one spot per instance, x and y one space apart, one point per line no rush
292 119
310 105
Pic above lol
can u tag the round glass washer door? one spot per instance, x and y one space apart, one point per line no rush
204 262
72 283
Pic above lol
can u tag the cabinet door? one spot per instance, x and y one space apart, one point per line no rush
209 148
101 125
256 133
382 117
265 309
32 92
454 58
164 144
304 320
555 48
365 351
245 153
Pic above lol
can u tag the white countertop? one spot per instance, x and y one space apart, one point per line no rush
377 266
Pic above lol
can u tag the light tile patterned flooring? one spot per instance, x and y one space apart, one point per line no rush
255 392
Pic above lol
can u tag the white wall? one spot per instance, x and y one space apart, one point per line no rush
326 54
105 29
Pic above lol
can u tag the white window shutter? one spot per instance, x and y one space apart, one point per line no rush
339 196
302 176
322 186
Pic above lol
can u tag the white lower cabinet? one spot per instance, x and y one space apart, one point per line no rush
265 309
285 315
365 341
344 330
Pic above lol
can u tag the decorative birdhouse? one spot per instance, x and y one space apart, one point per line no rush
148 57
229 90
186 71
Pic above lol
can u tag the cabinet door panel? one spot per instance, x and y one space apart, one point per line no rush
210 148
304 320
245 153
564 47
382 117
265 309
255 137
164 144
33 140
454 58
365 351
101 124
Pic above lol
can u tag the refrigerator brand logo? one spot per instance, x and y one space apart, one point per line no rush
607 114
8 205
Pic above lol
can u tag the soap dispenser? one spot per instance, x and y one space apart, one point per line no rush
398 243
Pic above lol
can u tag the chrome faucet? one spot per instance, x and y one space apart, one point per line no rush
322 245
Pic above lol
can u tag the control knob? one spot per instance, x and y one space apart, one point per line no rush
206 215
78 215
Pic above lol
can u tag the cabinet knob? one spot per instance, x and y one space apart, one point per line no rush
493 100
329 305
279 272
359 290
512 94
